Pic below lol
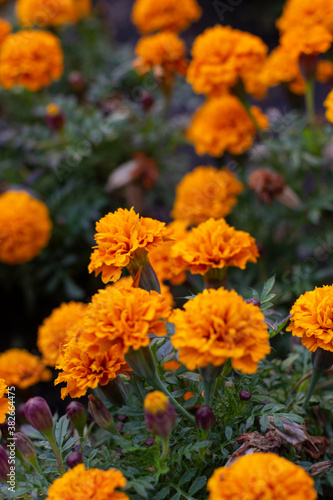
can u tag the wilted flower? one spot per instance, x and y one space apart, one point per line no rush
20 368
79 483
32 59
261 475
266 184
171 15
206 192
222 327
25 227
222 124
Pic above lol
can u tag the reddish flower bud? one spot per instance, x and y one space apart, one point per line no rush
73 459
101 414
54 117
39 415
77 414
146 100
150 441
25 446
160 415
77 82
245 395
8 430
255 302
204 418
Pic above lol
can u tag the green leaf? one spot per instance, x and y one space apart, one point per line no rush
228 432
176 496
187 476
264 423
197 485
61 428
278 422
163 493
267 288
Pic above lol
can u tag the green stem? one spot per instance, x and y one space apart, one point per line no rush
51 439
313 382
165 446
309 100
322 360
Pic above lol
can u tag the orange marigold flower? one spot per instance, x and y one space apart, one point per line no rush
155 402
324 71
20 368
214 245
124 317
261 475
217 325
55 329
150 16
3 400
281 66
223 124
43 13
164 53
171 365
25 227
81 371
306 13
206 192
122 236
5 29
79 483
312 316
222 55
127 282
160 257
329 106
32 59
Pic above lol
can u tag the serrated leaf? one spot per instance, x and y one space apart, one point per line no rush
187 476
164 350
228 432
267 288
264 423
278 422
170 328
176 496
163 493
190 402
140 490
249 422
61 429
197 485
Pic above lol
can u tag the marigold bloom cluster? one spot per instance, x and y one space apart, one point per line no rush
20 368
43 13
261 476
206 192
172 15
163 52
214 245
312 318
81 371
222 55
217 325
155 401
222 124
127 282
56 327
307 14
160 257
124 317
5 29
79 483
3 400
324 72
32 59
25 227
120 237
329 106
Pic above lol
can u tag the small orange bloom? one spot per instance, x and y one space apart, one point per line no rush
5 29
20 368
3 401
43 13
329 106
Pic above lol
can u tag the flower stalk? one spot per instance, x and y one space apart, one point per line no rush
322 360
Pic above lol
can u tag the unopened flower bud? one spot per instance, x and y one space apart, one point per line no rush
146 100
160 415
54 117
7 430
25 447
4 466
73 459
204 418
77 414
77 82
229 385
20 413
255 302
245 395
101 414
150 441
320 468
39 415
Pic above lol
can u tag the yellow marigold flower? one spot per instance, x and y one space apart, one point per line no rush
20 368
222 55
32 59
3 401
5 29
160 257
122 236
25 227
55 328
329 106
324 71
261 476
163 52
312 316
150 16
206 192
81 371
306 13
43 13
223 124
79 483
124 317
217 325
214 245
155 401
